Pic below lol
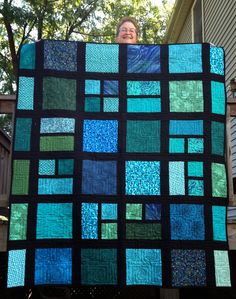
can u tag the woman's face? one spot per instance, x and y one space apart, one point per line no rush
127 34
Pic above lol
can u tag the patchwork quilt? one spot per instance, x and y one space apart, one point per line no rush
118 171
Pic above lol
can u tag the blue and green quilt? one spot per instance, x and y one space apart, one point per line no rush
118 171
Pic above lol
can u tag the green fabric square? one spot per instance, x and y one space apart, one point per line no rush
219 181
176 145
102 58
195 145
110 104
143 136
92 87
109 231
92 104
186 96
195 169
217 138
18 221
59 93
20 178
134 211
65 166
98 266
56 143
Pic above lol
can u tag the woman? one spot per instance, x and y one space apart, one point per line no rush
127 31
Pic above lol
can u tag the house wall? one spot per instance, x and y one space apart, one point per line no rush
186 33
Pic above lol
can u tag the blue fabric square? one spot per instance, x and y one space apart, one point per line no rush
16 268
102 58
53 266
176 145
89 225
60 55
152 211
143 267
142 178
187 222
195 187
219 223
27 56
109 211
188 268
54 221
218 97
143 59
217 60
55 186
99 177
111 87
185 58
92 87
25 93
100 136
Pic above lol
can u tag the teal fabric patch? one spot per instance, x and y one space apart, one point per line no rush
145 105
137 88
102 58
27 57
23 134
219 223
25 93
185 58
217 138
218 97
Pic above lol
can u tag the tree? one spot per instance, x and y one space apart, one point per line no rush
85 20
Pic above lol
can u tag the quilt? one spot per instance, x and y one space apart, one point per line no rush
118 168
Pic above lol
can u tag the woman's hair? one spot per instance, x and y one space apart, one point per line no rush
127 19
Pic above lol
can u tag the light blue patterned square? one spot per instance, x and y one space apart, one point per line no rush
185 58
103 58
109 211
16 268
92 87
25 93
47 167
142 178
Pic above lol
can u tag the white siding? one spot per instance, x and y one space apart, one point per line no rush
186 33
220 29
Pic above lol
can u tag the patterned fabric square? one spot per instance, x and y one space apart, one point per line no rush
186 96
102 58
144 267
100 136
188 268
143 59
26 93
118 167
98 266
143 136
16 268
53 266
99 177
187 222
185 58
60 55
142 178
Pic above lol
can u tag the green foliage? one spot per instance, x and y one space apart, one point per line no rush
6 123
84 20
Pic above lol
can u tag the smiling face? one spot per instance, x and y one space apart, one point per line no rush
127 34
